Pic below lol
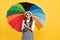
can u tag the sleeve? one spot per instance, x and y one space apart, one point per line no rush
33 24
22 25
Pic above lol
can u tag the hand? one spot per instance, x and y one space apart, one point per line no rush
27 27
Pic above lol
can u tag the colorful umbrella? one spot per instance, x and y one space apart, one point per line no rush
15 15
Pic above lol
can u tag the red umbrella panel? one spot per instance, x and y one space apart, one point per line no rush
16 21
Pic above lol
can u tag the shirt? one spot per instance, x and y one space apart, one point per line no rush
28 21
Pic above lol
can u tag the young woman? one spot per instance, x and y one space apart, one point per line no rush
27 27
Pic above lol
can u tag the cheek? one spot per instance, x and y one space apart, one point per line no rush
29 16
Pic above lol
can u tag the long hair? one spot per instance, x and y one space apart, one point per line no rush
31 20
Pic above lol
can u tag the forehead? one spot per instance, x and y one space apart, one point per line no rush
28 14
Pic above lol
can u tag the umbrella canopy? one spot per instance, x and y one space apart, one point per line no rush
15 15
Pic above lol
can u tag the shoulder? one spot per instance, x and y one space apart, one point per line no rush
23 20
33 20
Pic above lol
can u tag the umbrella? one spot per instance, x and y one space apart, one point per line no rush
15 15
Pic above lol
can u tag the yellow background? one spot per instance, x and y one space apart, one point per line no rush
50 30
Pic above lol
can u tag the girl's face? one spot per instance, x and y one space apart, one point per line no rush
28 15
